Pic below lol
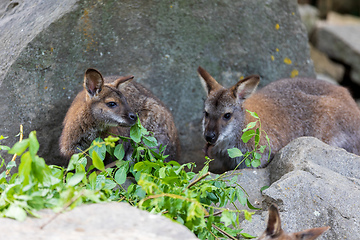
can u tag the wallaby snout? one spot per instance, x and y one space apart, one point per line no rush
288 109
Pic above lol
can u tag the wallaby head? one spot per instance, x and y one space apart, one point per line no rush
275 232
95 109
223 110
108 105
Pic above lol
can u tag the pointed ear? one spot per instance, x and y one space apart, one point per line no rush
310 234
245 87
93 81
208 82
122 80
274 222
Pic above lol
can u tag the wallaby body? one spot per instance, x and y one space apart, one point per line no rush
288 109
110 106
275 232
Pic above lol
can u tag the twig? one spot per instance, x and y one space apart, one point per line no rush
215 214
63 209
15 155
223 232
197 180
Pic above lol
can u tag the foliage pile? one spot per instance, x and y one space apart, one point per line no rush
196 200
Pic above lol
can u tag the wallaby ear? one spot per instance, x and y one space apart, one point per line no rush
310 234
208 82
274 223
245 87
122 80
93 81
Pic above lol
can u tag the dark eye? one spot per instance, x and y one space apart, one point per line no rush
111 104
206 113
227 116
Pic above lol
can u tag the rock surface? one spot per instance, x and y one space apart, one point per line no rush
338 37
96 221
161 43
314 185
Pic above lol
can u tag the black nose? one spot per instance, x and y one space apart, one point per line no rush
210 137
132 117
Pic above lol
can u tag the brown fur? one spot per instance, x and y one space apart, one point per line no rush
82 124
275 232
288 109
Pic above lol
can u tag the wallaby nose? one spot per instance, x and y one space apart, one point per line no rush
210 137
133 117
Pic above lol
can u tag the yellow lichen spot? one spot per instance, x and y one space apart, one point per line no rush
294 73
171 6
272 58
293 13
51 49
241 77
46 88
277 26
63 88
277 49
287 61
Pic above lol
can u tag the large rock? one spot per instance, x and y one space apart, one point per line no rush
338 37
161 43
314 185
96 221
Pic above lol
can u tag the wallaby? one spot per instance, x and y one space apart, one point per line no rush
288 109
275 232
110 106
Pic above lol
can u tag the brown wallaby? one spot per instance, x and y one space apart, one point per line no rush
275 232
110 106
288 109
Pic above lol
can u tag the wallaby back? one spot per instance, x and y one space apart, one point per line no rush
288 109
110 106
274 231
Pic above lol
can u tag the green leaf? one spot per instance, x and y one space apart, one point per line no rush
16 212
248 215
246 235
99 147
249 126
228 218
234 152
135 133
255 163
251 206
75 179
33 144
254 114
11 164
264 188
121 173
150 141
72 163
19 147
25 167
248 135
97 162
119 151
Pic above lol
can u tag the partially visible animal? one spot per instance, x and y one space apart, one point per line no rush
275 232
111 105
288 109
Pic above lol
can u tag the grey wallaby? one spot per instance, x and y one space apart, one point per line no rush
275 232
110 106
288 109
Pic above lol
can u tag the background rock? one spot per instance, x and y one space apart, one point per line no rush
96 221
314 185
161 43
339 40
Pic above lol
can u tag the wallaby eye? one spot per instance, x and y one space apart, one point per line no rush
111 104
206 113
227 116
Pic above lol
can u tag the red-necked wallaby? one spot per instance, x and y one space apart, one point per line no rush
110 106
275 232
288 109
